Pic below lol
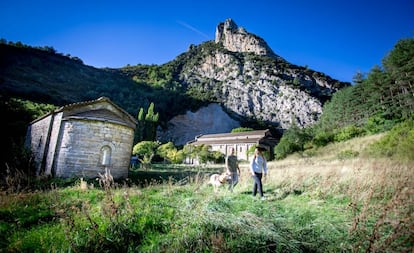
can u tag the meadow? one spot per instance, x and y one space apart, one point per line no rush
335 199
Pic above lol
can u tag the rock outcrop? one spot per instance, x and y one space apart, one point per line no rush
237 39
252 83
206 120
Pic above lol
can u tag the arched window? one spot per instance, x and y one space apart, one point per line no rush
105 155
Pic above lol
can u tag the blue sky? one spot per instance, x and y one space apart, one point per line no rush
338 38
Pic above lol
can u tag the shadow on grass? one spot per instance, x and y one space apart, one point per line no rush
178 175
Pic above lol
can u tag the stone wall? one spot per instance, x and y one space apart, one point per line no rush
53 138
81 148
37 140
82 140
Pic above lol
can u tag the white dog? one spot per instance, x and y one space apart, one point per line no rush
217 180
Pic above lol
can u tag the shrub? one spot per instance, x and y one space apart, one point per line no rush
241 129
348 133
293 140
377 124
398 143
323 138
216 157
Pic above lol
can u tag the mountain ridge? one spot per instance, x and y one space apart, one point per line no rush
238 70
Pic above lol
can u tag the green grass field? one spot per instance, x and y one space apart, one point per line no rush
326 202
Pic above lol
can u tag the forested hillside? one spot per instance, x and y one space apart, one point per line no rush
376 103
385 94
43 75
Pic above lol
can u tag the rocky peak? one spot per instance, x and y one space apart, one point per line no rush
237 39
252 87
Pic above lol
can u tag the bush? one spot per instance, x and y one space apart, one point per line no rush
378 124
348 133
398 143
216 157
323 138
241 129
293 140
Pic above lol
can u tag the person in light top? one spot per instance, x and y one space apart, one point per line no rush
258 169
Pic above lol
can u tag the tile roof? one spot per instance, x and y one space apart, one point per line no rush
250 137
86 103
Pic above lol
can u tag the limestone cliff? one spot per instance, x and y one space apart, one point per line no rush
252 83
237 39
207 120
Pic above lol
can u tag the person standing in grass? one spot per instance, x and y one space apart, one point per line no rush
232 169
258 169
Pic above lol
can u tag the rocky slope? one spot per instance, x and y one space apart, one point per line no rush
240 71
237 39
207 120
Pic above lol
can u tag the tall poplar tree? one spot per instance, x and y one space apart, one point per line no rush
147 126
140 126
151 123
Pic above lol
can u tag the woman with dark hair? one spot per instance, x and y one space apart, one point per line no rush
258 169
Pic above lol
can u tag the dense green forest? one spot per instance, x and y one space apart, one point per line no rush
385 94
375 103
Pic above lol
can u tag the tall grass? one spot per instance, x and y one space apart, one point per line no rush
376 195
314 204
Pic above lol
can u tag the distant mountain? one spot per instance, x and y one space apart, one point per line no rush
252 83
237 70
241 72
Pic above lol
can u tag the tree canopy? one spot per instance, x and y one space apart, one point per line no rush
386 93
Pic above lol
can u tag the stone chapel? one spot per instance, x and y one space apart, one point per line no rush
82 140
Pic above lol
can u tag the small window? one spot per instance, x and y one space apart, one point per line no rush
105 155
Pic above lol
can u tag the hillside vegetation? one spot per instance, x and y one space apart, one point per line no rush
45 76
317 204
343 184
376 103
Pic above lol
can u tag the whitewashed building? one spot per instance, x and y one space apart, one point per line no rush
241 142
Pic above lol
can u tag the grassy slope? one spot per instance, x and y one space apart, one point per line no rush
314 204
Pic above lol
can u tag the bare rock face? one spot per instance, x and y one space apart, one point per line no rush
241 73
207 120
265 90
237 39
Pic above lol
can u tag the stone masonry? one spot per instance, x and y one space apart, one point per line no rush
82 140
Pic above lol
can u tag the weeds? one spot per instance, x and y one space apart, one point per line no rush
383 220
313 205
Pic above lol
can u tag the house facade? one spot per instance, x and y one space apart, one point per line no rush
82 140
241 142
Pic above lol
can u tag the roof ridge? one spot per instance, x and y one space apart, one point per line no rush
88 102
83 103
